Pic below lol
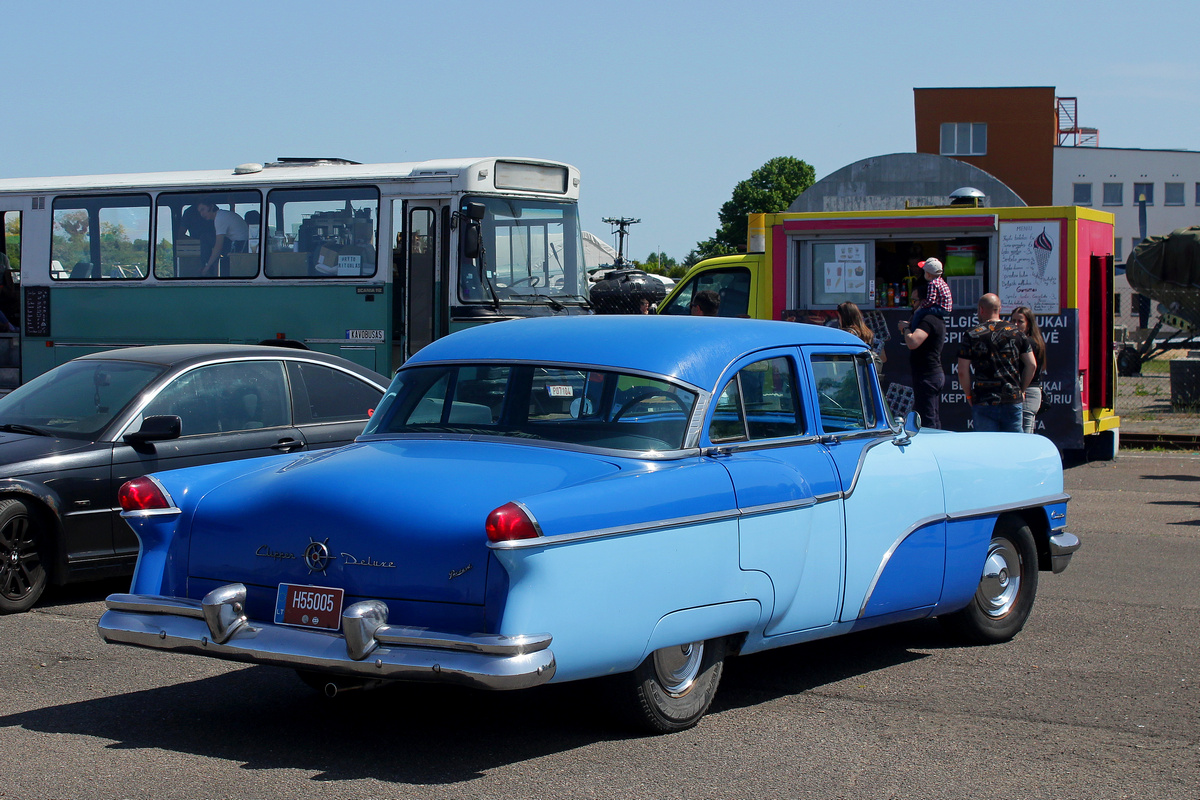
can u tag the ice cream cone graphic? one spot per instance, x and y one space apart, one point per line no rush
1042 248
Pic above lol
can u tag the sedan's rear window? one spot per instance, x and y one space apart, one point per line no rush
594 408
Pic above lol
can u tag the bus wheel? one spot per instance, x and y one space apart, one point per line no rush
22 562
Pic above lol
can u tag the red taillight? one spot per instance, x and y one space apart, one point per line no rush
508 522
141 494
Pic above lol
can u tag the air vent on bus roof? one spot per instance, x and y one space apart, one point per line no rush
307 162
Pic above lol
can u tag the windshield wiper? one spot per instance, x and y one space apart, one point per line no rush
550 301
16 427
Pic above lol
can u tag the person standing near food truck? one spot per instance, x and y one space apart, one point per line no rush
925 343
995 366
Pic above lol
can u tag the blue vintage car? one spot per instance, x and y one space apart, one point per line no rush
568 498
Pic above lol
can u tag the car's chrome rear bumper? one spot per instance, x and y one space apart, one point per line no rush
367 646
1062 546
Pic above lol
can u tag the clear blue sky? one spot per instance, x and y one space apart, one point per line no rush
663 106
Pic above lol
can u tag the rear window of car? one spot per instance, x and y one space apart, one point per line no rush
579 406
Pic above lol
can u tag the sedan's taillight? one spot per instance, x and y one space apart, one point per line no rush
510 521
142 494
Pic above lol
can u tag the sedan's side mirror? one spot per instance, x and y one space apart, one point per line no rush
156 429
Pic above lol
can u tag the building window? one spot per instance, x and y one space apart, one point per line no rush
1117 250
1146 189
1172 194
964 138
1117 302
1114 194
1083 194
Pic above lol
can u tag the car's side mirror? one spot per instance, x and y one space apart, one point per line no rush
908 429
156 429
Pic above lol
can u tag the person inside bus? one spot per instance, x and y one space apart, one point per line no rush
233 235
194 226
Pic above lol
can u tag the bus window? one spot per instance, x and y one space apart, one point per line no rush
320 233
102 237
189 225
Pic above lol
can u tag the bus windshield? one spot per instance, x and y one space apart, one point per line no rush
530 249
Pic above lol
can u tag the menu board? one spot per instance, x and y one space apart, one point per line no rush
1030 264
37 311
847 272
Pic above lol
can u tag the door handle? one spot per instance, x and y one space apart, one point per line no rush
287 445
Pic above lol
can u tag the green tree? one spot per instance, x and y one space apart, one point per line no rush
772 187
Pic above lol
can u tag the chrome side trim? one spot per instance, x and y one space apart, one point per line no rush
888 555
982 512
370 650
1013 506
884 437
617 530
829 497
770 508
151 512
532 519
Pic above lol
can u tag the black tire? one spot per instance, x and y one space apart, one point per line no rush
674 686
1002 602
22 558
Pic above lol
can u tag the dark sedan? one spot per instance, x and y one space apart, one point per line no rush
71 437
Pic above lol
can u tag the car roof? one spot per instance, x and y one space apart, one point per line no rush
182 355
691 348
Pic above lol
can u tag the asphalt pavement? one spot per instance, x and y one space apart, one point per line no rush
1097 698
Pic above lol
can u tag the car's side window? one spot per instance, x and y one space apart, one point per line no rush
323 394
728 422
760 402
841 398
238 396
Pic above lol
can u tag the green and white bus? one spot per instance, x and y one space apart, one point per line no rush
293 250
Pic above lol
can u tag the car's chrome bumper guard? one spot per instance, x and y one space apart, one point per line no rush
366 648
1062 546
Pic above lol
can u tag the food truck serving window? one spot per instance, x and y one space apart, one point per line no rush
842 271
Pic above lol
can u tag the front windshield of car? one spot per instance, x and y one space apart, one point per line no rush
77 400
529 250
577 406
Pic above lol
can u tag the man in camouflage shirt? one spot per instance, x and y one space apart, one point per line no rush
995 366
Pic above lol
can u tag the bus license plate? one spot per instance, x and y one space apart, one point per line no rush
309 606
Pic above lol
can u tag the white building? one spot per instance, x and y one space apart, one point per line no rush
1111 179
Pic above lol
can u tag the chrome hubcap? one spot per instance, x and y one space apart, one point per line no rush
677 667
1001 582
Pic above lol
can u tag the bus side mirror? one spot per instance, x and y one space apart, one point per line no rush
474 212
471 241
156 429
